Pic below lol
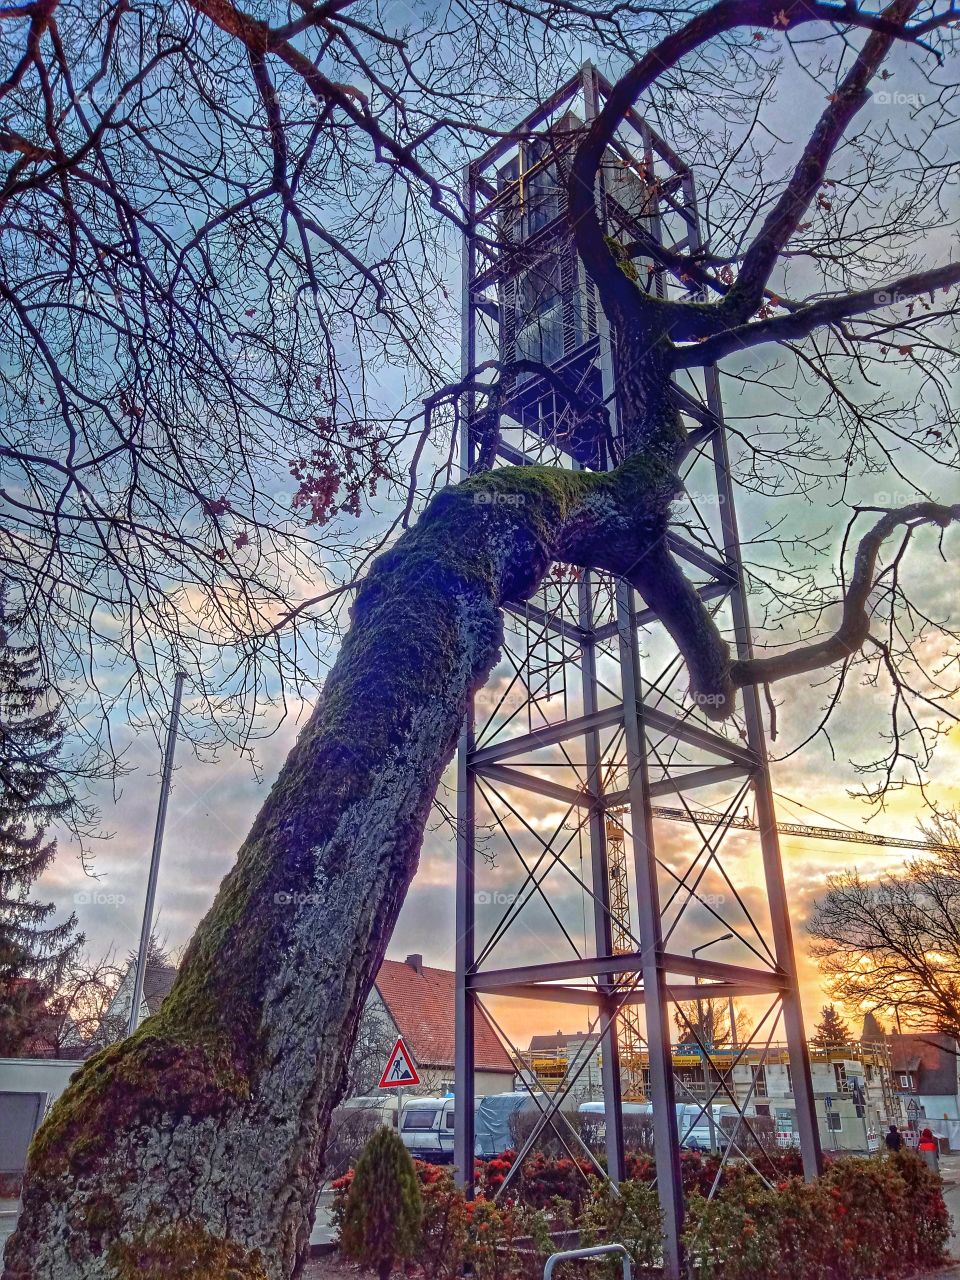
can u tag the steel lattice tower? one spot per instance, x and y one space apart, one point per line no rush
575 738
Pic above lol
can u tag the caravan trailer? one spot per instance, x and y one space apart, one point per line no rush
426 1128
693 1127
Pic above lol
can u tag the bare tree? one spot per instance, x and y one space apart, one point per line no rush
220 241
77 1013
893 943
369 1054
708 1023
201 1136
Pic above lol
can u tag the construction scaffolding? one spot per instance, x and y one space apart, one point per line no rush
570 888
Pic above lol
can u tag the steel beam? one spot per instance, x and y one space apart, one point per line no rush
464 999
807 1122
549 735
632 995
656 1000
687 731
542 786
626 962
697 736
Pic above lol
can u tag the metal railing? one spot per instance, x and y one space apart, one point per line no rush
596 1251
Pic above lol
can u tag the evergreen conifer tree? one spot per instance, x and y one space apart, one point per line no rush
384 1210
831 1031
33 949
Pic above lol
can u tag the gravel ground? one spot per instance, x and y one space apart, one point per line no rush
333 1267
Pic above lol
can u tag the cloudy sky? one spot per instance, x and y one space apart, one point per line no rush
212 805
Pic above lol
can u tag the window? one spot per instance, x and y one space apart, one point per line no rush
789 1078
419 1119
840 1075
448 1120
760 1081
542 196
540 313
904 1081
834 1121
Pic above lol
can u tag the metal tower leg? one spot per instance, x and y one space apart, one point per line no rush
782 932
603 934
665 1136
464 999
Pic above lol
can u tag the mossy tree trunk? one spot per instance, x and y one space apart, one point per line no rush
192 1149
194 1146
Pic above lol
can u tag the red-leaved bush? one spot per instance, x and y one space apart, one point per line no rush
883 1216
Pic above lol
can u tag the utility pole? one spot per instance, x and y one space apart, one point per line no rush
145 928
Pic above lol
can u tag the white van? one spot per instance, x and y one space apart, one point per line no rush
426 1128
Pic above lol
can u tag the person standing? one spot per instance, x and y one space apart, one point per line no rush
894 1139
929 1150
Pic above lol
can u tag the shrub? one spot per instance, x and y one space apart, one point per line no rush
443 1232
926 1240
733 1234
383 1211
864 1218
491 1173
631 1218
541 1181
868 1218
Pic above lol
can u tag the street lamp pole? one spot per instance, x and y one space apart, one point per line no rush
147 923
704 1053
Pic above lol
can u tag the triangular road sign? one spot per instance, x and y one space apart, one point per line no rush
399 1070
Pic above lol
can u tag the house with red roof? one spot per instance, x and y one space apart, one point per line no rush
414 1001
926 1072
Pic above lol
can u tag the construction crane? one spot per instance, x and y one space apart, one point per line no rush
745 823
629 1033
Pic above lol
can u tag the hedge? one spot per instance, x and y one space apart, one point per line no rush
882 1216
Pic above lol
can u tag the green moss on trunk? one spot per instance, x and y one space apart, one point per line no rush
184 1252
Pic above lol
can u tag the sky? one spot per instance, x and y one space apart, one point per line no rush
213 803
212 806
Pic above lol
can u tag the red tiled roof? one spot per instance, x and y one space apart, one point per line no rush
421 1003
